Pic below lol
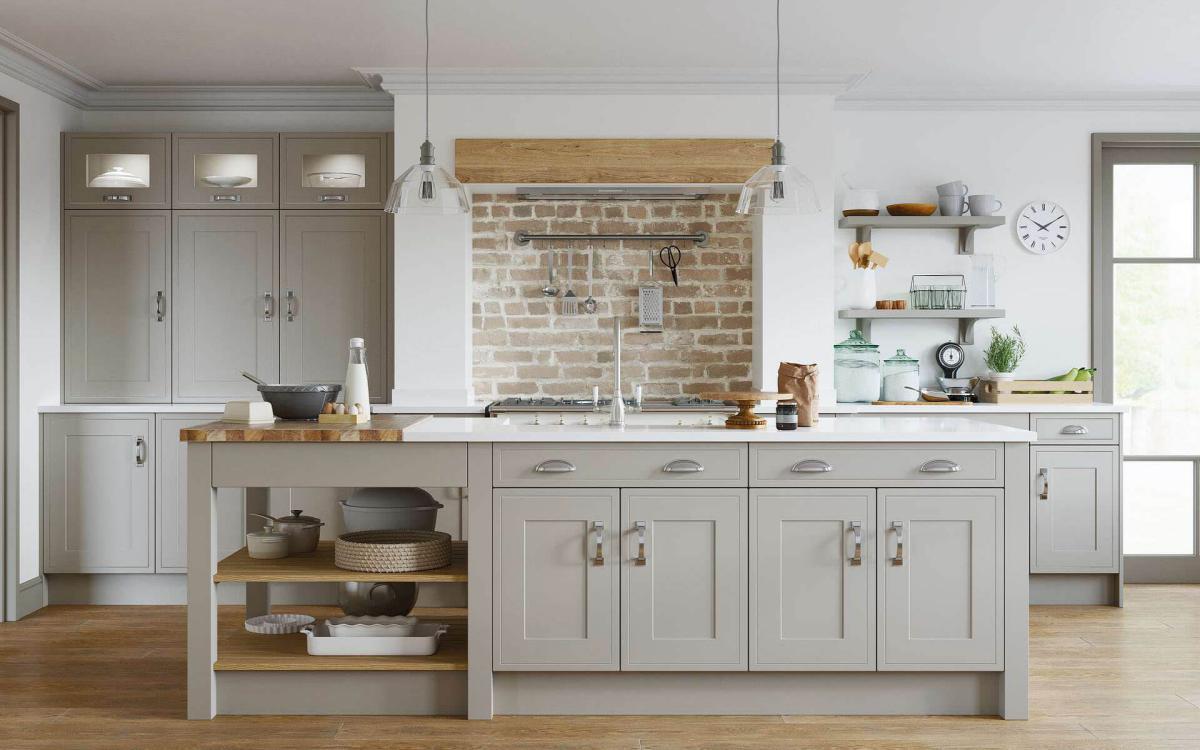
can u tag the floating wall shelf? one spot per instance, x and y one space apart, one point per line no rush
966 226
966 318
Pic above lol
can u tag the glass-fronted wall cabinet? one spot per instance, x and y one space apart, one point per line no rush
342 170
234 170
116 170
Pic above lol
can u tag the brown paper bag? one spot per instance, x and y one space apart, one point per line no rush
801 381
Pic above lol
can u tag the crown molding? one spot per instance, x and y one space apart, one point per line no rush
238 97
43 71
601 81
918 101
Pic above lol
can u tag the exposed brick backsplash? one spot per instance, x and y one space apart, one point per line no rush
525 346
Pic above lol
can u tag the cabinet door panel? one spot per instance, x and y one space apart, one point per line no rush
555 606
686 607
226 171
116 306
333 288
350 170
112 170
98 479
811 606
940 598
1074 515
226 312
170 500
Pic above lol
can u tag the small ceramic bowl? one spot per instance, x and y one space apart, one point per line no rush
912 209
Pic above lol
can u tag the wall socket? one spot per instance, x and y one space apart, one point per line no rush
650 308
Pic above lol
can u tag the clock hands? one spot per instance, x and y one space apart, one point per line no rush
1046 227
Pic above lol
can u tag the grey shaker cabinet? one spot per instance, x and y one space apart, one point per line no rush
170 498
555 580
116 170
229 170
333 287
940 570
98 483
812 579
683 579
1074 516
224 307
116 306
335 170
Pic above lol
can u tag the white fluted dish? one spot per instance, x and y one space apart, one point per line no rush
280 623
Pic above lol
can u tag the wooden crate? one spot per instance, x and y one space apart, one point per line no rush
1035 392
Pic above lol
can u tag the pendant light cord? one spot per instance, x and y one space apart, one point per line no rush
778 44
427 69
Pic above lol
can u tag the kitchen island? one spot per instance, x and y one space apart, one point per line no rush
866 566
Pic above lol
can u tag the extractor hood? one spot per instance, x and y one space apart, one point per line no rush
583 192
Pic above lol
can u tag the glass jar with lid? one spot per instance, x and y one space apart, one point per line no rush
901 378
856 376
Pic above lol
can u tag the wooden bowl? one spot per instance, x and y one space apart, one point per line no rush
860 212
912 209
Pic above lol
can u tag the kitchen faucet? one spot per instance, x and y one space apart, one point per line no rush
616 414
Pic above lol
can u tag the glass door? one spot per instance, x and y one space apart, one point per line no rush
1151 255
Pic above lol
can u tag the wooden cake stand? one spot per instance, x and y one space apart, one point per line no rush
746 419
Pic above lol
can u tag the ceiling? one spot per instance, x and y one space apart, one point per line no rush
936 48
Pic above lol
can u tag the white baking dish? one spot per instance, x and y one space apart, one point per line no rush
372 626
423 642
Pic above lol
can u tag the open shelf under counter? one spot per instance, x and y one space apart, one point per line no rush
318 567
241 651
965 225
967 318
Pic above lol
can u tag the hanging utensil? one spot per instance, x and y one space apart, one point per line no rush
570 302
589 304
670 257
550 290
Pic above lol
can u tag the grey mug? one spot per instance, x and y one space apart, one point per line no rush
952 205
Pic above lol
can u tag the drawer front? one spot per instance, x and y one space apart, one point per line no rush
638 465
898 465
1076 428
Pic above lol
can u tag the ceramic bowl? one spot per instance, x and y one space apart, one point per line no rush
912 209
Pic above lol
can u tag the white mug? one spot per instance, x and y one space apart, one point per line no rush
952 188
983 204
952 205
861 199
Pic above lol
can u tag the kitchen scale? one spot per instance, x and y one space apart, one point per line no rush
950 357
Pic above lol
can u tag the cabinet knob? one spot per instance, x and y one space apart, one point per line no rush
684 466
811 466
856 557
898 527
640 526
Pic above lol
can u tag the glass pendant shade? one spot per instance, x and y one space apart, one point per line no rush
426 188
778 189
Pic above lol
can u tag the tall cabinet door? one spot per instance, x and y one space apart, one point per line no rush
812 579
116 306
1074 514
170 499
97 480
555 580
941 579
683 579
333 288
225 308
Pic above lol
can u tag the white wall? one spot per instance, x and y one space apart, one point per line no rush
42 118
1017 155
433 353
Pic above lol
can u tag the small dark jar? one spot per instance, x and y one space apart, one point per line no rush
785 415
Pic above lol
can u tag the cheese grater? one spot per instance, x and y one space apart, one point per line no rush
650 303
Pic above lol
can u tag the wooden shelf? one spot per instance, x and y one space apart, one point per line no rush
242 651
967 318
965 225
318 567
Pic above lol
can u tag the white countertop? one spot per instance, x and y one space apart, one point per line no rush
919 408
863 430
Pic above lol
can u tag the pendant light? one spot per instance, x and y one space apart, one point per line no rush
426 188
777 188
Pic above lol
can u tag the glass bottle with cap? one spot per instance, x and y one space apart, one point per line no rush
357 392
901 378
856 377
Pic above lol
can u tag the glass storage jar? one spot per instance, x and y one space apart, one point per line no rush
856 377
901 378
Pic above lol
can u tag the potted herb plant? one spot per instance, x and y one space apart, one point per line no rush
1004 353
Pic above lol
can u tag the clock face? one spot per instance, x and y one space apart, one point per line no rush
1043 227
950 355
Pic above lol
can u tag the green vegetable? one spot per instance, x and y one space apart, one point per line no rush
1004 353
1085 374
1068 375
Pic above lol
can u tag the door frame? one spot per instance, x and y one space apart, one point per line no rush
9 269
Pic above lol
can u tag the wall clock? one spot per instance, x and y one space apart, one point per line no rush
1043 227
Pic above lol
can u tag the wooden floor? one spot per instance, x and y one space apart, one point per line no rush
99 677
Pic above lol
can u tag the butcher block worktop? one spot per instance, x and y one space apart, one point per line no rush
381 429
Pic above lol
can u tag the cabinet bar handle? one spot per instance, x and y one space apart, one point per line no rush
117 198
160 306
268 306
641 532
898 527
811 466
1044 475
598 527
226 198
554 466
684 466
1074 429
940 466
139 457
856 558
332 198
290 295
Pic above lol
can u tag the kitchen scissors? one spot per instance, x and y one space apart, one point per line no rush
670 257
